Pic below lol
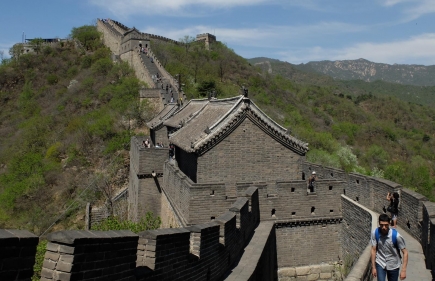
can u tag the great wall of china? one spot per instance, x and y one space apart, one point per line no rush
233 201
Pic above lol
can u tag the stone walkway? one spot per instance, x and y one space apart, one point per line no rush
416 269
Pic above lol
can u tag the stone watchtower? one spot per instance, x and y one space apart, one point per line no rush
207 38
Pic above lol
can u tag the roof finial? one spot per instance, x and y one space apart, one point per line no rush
245 91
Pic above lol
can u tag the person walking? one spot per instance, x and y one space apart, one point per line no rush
386 246
394 206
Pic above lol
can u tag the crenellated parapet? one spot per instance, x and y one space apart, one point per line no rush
17 254
198 252
205 251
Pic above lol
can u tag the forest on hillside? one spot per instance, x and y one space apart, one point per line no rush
65 127
353 128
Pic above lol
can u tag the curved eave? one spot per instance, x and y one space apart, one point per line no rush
230 121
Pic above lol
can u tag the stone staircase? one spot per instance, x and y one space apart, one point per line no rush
161 83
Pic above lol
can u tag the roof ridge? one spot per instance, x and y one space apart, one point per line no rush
190 118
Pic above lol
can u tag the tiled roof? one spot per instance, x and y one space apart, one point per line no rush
185 113
166 112
204 128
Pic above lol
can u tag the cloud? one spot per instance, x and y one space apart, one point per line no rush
191 8
264 36
416 50
412 9
130 7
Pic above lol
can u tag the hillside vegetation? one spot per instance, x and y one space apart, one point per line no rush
357 130
64 131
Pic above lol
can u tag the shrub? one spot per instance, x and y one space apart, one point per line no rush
72 71
88 35
102 66
53 152
86 61
52 79
114 223
39 260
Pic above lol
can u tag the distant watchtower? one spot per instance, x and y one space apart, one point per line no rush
207 38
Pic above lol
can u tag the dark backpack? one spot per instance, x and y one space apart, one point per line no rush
393 237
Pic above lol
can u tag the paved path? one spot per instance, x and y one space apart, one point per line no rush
416 269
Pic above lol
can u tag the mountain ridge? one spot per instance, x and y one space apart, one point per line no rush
368 71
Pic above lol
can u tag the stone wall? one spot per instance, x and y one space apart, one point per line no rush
308 242
258 267
187 162
199 252
168 215
142 73
143 160
87 255
161 136
278 200
111 38
17 254
356 230
320 272
237 158
411 212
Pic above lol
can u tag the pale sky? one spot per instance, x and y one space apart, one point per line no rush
297 31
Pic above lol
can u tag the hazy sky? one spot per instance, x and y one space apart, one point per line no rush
297 31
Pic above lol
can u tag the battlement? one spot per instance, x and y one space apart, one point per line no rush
205 251
144 161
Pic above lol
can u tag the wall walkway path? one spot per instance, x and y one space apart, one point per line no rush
416 269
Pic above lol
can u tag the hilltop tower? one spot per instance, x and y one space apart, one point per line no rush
207 38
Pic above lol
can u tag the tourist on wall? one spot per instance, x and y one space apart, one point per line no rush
311 181
386 247
394 207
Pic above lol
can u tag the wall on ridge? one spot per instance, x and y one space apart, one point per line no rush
137 64
110 38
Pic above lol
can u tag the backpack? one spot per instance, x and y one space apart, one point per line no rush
393 237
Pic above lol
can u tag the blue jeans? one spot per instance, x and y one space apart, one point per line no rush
393 275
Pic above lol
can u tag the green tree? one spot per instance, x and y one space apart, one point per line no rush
88 35
36 44
16 51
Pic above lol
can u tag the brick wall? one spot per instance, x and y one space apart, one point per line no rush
428 234
290 200
248 154
110 38
253 266
17 254
356 230
177 190
149 197
142 73
205 251
168 215
411 212
187 162
161 136
90 255
308 242
146 160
